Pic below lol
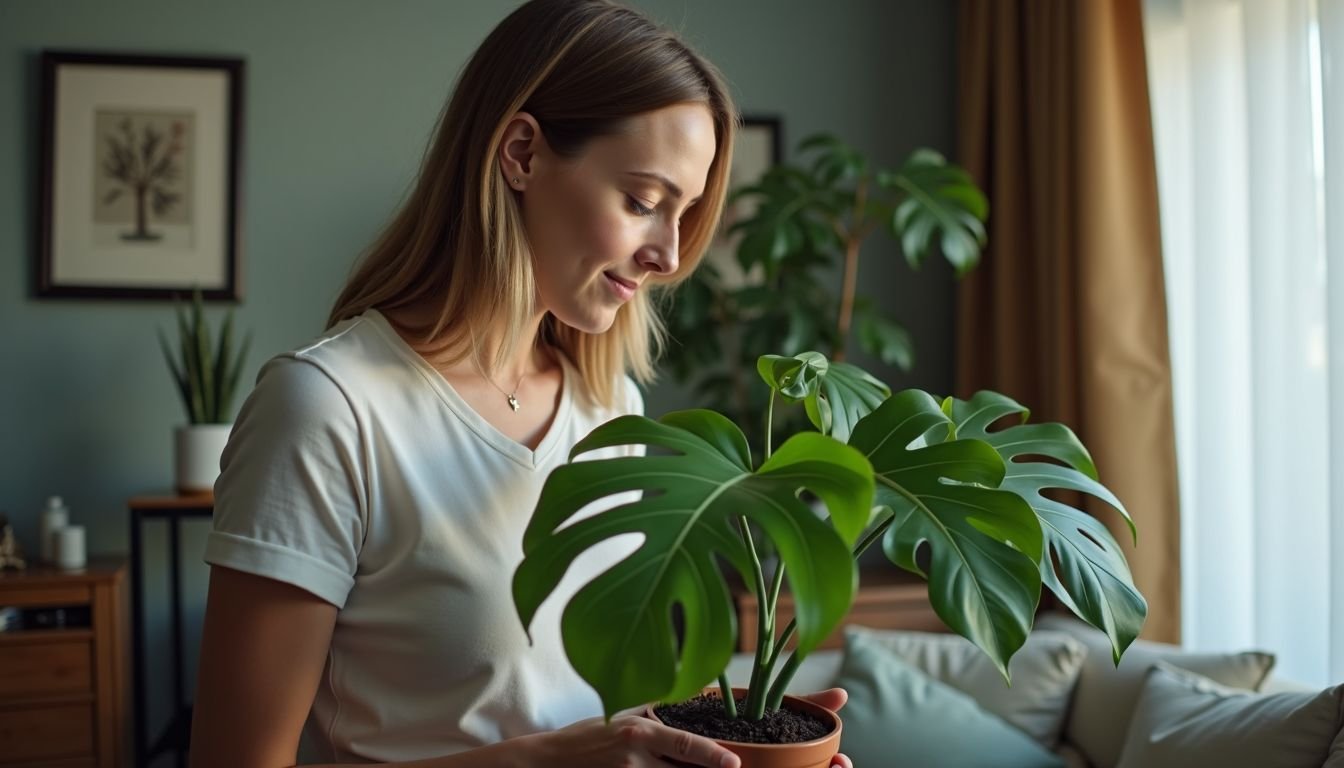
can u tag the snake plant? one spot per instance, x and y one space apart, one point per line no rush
206 374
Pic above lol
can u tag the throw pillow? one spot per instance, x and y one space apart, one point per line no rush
1183 719
1106 694
1044 672
897 715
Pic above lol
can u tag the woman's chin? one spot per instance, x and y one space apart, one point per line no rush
589 322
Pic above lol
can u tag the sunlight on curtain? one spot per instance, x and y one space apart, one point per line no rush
1244 107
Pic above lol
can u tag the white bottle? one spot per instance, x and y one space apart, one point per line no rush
54 517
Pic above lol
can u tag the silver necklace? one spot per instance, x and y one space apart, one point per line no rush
512 397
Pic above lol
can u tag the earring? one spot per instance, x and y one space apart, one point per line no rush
515 181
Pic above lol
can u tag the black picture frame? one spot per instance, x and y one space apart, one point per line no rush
140 185
759 146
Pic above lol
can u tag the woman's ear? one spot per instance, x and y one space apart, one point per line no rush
518 150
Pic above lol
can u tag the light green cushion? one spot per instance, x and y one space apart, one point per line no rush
1183 719
1043 672
898 716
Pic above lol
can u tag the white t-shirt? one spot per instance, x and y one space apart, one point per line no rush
354 471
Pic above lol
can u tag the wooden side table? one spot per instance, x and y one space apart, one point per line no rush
172 509
888 598
64 680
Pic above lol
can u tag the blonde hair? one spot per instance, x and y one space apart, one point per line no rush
581 68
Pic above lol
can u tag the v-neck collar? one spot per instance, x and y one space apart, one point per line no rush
483 429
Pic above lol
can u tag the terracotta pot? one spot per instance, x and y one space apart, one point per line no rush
804 754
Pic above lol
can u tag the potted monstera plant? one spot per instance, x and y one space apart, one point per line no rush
949 496
955 491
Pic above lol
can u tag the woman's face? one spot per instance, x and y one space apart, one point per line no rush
602 223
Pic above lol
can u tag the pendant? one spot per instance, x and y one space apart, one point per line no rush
513 403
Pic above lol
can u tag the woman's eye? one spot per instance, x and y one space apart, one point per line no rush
638 207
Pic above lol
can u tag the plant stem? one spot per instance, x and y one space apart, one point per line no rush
729 703
851 274
779 581
791 666
755 704
786 674
773 656
769 423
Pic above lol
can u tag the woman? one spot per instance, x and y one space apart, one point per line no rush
372 499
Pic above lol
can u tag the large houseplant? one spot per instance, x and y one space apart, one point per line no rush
206 375
949 498
807 220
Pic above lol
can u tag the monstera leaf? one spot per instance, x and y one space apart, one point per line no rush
617 629
984 545
836 395
1091 576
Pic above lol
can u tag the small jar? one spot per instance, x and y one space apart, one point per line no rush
70 550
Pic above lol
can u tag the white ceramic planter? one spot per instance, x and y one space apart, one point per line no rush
197 448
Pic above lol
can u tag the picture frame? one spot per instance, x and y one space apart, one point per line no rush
759 146
140 183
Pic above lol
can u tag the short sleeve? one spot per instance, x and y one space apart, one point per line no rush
290 503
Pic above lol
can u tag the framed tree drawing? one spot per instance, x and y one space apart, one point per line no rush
139 183
759 147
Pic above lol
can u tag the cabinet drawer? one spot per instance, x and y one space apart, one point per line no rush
62 666
46 732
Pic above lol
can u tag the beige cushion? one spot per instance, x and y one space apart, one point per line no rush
1183 719
1043 674
1071 756
1106 695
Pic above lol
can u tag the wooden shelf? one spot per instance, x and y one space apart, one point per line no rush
43 636
66 689
204 501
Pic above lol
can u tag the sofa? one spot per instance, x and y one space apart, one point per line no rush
933 699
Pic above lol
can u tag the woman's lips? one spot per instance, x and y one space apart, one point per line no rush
624 289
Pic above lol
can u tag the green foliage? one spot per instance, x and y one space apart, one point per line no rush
810 220
952 501
206 375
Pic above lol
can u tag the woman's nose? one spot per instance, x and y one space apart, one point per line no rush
660 255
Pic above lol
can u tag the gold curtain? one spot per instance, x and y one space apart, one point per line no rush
1067 312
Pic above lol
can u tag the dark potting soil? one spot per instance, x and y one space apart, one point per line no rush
705 715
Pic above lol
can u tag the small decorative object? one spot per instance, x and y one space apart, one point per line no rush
11 555
54 517
207 378
139 191
70 550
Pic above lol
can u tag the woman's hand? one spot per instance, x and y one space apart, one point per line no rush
630 740
832 699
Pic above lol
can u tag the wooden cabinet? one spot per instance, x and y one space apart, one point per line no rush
64 674
888 598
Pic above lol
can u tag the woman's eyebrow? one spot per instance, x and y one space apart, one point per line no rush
665 181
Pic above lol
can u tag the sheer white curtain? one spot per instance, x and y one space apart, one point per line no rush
1248 116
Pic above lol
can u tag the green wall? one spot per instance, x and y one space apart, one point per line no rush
340 98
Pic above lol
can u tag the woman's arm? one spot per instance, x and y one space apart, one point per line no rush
263 649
